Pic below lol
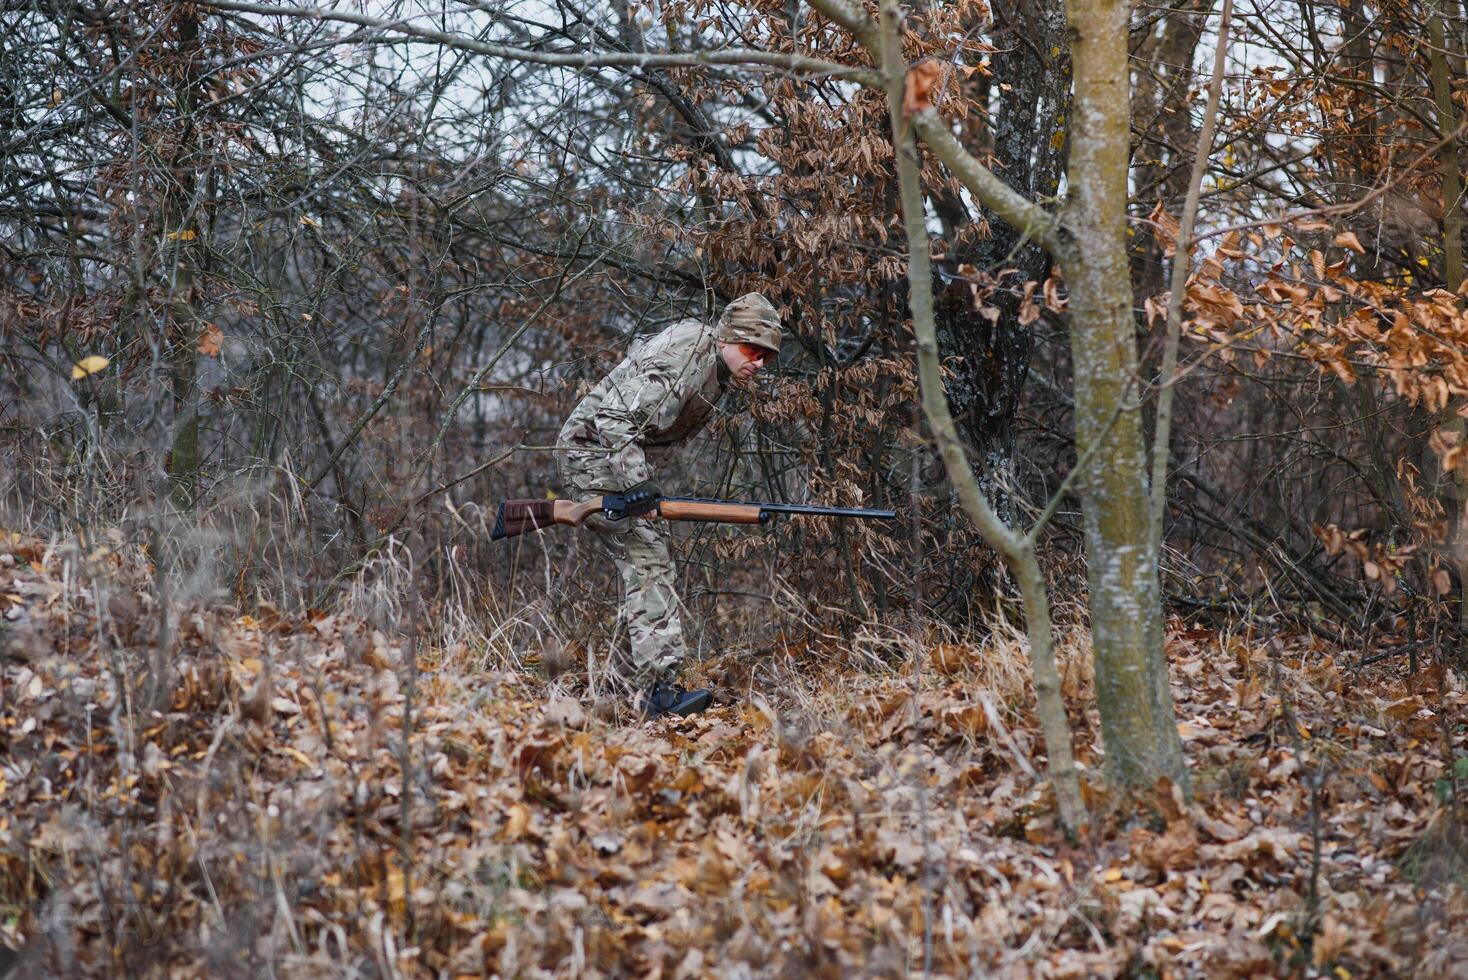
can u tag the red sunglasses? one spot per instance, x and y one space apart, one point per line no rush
757 353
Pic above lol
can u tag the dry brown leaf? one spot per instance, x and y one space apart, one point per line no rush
1348 240
210 340
923 80
1166 229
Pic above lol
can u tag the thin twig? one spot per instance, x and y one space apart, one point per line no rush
1350 207
561 59
1162 438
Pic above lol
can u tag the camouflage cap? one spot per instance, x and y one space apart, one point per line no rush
750 319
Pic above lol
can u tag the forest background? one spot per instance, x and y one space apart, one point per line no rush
1147 320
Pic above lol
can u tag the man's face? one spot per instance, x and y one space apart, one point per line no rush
743 360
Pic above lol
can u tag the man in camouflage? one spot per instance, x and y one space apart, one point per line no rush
663 393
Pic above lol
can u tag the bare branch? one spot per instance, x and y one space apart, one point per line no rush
1026 217
563 59
855 20
1163 434
1349 207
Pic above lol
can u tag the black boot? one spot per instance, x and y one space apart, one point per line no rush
669 699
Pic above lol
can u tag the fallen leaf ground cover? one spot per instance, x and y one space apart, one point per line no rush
310 796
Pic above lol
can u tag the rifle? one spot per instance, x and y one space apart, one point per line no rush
516 517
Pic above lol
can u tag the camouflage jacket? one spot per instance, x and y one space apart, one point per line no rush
662 393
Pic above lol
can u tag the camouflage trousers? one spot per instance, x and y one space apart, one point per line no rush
640 551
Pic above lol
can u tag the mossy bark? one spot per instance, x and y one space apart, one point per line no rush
1135 701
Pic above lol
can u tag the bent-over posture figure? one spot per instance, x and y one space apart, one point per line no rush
660 395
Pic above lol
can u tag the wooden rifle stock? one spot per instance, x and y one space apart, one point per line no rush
518 517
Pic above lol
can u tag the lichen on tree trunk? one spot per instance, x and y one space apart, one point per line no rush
1137 719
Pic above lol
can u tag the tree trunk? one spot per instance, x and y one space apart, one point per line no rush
1089 241
1455 484
1137 720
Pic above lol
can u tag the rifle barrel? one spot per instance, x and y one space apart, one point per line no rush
811 509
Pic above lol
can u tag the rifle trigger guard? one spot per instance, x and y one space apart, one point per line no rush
631 502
